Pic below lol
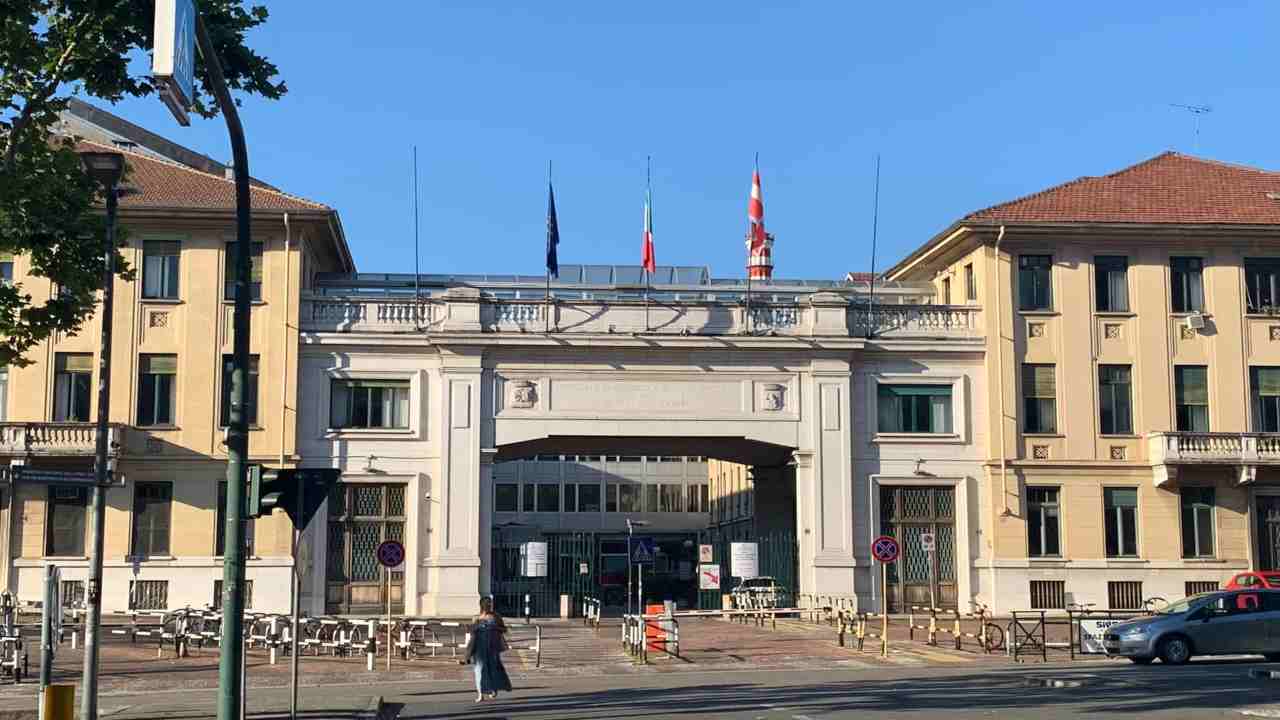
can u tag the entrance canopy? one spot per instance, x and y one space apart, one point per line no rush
733 449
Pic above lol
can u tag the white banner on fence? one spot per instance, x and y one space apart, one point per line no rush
1091 634
744 560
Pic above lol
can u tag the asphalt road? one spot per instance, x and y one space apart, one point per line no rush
1203 689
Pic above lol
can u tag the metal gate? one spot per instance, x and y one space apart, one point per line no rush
779 557
567 556
361 516
1269 532
906 513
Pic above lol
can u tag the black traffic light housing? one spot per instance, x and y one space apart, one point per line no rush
299 492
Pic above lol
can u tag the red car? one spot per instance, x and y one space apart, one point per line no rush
1247 580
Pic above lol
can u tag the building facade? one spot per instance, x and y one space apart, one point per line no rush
478 416
1132 355
169 391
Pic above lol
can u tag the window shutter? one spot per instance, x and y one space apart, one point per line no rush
74 362
1038 381
159 364
1122 497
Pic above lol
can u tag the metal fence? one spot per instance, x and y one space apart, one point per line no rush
567 556
779 557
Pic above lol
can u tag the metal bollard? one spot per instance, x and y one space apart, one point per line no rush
526 609
371 647
933 626
537 646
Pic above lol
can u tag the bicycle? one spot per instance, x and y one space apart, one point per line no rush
1084 610
991 635
1153 605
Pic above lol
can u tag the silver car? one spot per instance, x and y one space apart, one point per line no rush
1229 622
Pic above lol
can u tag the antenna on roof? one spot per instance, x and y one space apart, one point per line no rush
1196 111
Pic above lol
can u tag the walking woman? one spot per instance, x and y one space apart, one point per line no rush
484 650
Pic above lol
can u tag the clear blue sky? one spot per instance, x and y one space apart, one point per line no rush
968 107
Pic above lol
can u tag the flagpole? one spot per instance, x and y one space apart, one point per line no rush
546 310
875 226
417 288
648 198
750 240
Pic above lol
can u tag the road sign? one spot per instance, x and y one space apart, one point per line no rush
927 542
885 549
173 62
643 550
744 560
391 554
706 554
709 577
23 473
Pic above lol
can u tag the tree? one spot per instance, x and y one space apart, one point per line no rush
51 50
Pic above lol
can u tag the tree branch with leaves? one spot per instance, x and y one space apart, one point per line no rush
50 211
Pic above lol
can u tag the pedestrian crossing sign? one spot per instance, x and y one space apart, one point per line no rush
643 550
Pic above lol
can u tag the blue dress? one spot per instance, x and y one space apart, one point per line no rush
485 651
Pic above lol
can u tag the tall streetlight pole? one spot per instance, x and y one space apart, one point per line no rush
105 168
230 679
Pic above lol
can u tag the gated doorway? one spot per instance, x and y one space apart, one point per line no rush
906 513
361 516
1269 532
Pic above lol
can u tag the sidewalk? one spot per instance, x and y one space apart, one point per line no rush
201 704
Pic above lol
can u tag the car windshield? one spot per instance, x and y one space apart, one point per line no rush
1180 606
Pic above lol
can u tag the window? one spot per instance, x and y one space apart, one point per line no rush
1264 385
156 390
1035 279
672 498
6 269
1121 519
589 498
255 273
369 404
1114 399
1124 595
1042 522
1262 283
251 392
628 498
160 269
548 497
1195 587
1188 284
149 595
699 498
219 529
152 506
1191 388
1111 283
970 284
651 498
217 594
914 408
1197 522
65 520
611 497
506 497
1048 594
1039 399
528 493
946 291
72 379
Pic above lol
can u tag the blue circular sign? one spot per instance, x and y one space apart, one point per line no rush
391 554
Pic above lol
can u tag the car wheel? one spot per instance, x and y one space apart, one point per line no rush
1141 660
1175 651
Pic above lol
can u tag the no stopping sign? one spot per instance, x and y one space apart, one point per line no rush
885 549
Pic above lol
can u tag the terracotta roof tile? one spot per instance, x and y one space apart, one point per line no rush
1169 188
170 185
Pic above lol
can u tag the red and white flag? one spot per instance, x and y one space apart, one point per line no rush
647 260
755 213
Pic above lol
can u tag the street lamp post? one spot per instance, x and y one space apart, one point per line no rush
106 169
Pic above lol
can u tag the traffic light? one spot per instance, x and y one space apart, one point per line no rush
299 492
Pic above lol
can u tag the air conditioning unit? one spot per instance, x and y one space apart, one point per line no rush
1195 322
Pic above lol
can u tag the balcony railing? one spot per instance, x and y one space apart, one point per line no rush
1198 447
68 439
903 321
473 311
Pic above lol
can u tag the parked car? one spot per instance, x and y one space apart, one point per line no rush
763 592
1226 622
1255 579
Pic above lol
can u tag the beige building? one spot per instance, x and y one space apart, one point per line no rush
1133 345
169 386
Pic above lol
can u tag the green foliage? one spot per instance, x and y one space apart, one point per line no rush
49 210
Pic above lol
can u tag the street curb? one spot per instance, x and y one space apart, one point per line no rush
1258 674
